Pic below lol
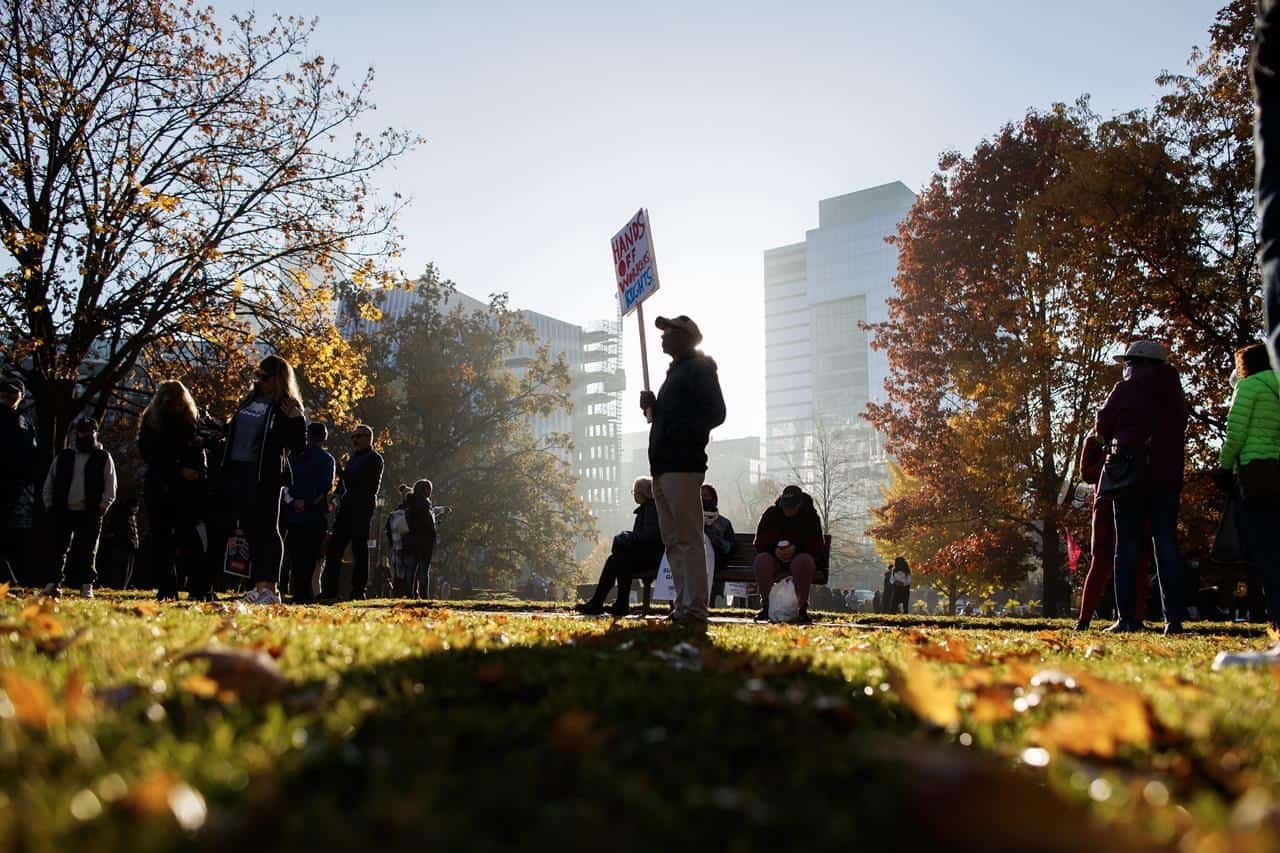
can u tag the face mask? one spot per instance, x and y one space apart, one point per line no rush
709 506
84 443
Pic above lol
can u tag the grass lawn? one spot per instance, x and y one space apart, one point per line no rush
127 725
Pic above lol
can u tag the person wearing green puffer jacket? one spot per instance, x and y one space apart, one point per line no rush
1252 454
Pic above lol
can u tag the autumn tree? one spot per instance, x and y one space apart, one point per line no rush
169 187
999 336
453 411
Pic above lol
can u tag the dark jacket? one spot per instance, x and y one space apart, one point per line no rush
804 531
95 477
688 407
1149 410
311 478
361 479
420 543
720 532
17 457
644 533
281 436
166 451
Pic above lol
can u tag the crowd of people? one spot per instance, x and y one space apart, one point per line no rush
256 498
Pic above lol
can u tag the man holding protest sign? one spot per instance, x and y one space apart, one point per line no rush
685 410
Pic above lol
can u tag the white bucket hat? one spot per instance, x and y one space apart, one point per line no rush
1145 349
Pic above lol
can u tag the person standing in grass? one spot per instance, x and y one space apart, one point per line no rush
1102 547
1143 426
17 450
174 487
361 480
78 492
312 475
683 412
900 581
268 425
420 541
1250 462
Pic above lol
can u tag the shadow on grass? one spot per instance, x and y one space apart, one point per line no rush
631 741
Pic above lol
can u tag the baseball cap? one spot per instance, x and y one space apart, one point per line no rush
791 496
682 322
317 430
1145 349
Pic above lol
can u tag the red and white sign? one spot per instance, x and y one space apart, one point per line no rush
634 263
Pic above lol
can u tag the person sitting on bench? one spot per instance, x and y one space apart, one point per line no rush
637 551
788 539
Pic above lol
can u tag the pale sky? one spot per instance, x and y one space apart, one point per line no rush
550 123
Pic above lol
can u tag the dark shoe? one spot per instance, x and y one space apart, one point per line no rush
1124 626
356 596
327 599
588 608
802 618
1082 625
1174 628
166 595
763 615
619 612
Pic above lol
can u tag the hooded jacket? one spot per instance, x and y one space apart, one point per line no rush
803 530
1148 409
689 405
1253 424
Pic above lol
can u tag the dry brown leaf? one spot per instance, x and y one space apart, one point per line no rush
1052 640
56 645
250 674
951 650
77 704
144 608
201 685
39 620
929 695
1109 716
575 731
993 703
32 705
977 676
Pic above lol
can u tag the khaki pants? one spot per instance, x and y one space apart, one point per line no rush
679 498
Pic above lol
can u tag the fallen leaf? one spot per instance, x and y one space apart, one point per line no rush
32 705
250 674
951 650
575 731
77 704
993 703
56 645
1108 717
1052 640
929 696
144 608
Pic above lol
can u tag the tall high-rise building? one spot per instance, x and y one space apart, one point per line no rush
819 366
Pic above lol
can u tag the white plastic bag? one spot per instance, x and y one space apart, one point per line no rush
783 604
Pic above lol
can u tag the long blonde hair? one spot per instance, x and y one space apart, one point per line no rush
286 381
167 393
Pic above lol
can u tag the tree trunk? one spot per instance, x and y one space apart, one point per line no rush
1053 602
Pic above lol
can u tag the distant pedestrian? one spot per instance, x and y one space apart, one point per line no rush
886 593
1250 462
175 489
17 455
420 542
788 541
312 479
268 425
78 492
1143 425
685 410
361 479
900 586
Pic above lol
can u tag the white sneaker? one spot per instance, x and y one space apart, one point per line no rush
264 595
86 591
1267 657
51 590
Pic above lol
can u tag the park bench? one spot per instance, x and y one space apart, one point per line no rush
738 568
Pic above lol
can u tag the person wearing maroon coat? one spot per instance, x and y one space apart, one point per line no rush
1102 548
1146 417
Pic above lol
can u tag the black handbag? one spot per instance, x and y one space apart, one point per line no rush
1124 469
1260 479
